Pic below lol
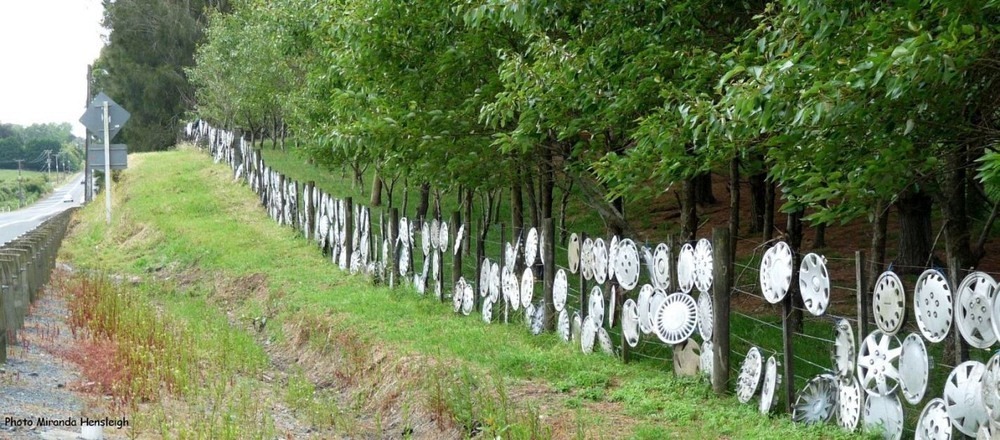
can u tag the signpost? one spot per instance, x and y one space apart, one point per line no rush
105 118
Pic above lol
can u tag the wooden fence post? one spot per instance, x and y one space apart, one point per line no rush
503 251
294 210
548 243
480 254
721 290
787 330
348 230
954 278
673 250
372 246
310 210
583 280
861 276
393 263
281 202
456 267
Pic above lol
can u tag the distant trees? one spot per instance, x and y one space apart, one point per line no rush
31 143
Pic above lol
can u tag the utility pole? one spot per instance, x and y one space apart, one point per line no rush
20 190
107 163
88 192
48 163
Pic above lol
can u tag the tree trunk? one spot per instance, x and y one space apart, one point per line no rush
437 205
495 198
594 196
529 181
616 228
425 201
795 242
284 134
376 196
879 227
956 217
516 208
390 189
820 238
406 196
703 189
758 205
564 234
689 211
769 190
359 181
466 243
274 132
914 208
734 212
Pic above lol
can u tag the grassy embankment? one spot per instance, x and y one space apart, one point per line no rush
760 326
359 359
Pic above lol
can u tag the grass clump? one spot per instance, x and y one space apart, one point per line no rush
176 366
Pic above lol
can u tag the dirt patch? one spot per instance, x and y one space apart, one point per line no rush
231 292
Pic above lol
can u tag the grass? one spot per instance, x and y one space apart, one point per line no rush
147 351
12 174
34 185
177 213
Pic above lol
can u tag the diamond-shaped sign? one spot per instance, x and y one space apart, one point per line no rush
93 117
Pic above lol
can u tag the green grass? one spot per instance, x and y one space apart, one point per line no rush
176 212
34 185
12 174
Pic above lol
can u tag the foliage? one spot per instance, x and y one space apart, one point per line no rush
142 65
29 144
850 102
845 105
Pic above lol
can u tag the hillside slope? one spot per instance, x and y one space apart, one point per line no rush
361 360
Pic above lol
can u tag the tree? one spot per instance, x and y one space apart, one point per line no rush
142 65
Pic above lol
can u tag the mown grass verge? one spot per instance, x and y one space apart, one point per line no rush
399 361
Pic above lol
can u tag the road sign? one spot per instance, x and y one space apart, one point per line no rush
105 118
119 157
93 120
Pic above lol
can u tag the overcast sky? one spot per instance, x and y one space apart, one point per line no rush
46 46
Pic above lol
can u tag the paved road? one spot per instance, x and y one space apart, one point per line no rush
15 223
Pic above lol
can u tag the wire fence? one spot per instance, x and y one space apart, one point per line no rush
441 256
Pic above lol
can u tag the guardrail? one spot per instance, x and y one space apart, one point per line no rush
26 263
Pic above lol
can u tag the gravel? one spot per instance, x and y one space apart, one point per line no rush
36 381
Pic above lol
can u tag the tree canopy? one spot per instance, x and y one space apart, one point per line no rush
847 107
142 65
30 143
